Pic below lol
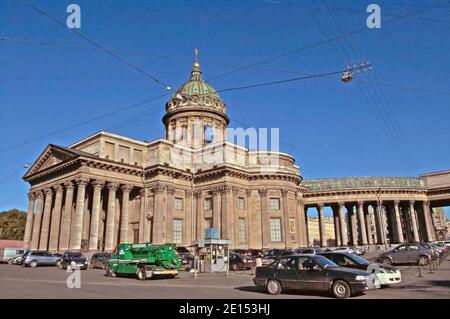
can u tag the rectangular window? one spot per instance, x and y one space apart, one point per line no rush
242 230
208 203
178 205
241 203
177 231
208 223
274 203
275 229
208 133
124 154
109 150
183 136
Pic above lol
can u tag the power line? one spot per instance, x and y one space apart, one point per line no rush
181 58
132 66
316 44
382 118
311 76
84 122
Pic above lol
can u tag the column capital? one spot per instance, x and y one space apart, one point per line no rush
48 192
68 185
236 190
112 187
39 194
58 188
284 192
216 190
320 205
82 181
341 204
411 202
248 192
170 190
226 189
198 194
142 191
126 188
188 193
361 203
98 184
426 202
159 188
31 196
262 192
396 202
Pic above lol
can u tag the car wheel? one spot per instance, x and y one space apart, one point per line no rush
273 287
341 289
423 260
386 261
110 272
58 263
33 264
235 267
141 275
10 261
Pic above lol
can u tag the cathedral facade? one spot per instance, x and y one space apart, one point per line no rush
108 189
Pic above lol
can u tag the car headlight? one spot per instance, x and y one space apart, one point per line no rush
361 278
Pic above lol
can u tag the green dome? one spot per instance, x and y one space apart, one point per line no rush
196 86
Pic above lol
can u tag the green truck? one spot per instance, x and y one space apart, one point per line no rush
144 261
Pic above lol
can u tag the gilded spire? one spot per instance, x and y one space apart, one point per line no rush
196 74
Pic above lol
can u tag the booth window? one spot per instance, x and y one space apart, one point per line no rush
275 229
177 231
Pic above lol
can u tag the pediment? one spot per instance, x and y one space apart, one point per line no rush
51 156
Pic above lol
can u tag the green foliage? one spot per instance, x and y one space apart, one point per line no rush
12 224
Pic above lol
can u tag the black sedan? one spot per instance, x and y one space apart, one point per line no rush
72 261
312 273
99 260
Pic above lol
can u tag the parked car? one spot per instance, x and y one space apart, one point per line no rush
442 245
239 262
186 260
72 260
312 251
386 274
253 253
99 260
435 252
312 273
410 253
19 258
41 258
7 254
351 250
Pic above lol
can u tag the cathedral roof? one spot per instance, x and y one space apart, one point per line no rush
196 85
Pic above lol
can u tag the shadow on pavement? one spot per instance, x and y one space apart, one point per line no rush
441 283
285 292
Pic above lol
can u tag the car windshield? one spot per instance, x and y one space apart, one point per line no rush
360 260
324 262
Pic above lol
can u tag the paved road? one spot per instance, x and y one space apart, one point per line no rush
50 282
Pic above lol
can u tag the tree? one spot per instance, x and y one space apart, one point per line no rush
12 224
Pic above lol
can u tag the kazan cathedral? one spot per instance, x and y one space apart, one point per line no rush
108 189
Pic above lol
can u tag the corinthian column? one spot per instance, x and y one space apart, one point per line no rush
64 234
264 219
95 218
45 230
36 234
285 229
323 235
343 225
126 189
428 222
29 222
413 216
216 208
77 218
169 214
199 219
56 218
362 224
159 222
398 223
110 216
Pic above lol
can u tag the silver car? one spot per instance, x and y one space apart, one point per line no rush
410 253
41 258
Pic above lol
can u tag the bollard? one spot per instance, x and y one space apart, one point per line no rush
420 271
429 266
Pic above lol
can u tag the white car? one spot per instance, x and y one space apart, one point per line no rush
385 274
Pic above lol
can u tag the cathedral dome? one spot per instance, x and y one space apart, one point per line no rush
196 94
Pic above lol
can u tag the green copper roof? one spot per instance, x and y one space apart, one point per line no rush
196 85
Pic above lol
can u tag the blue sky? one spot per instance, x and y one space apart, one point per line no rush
327 125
